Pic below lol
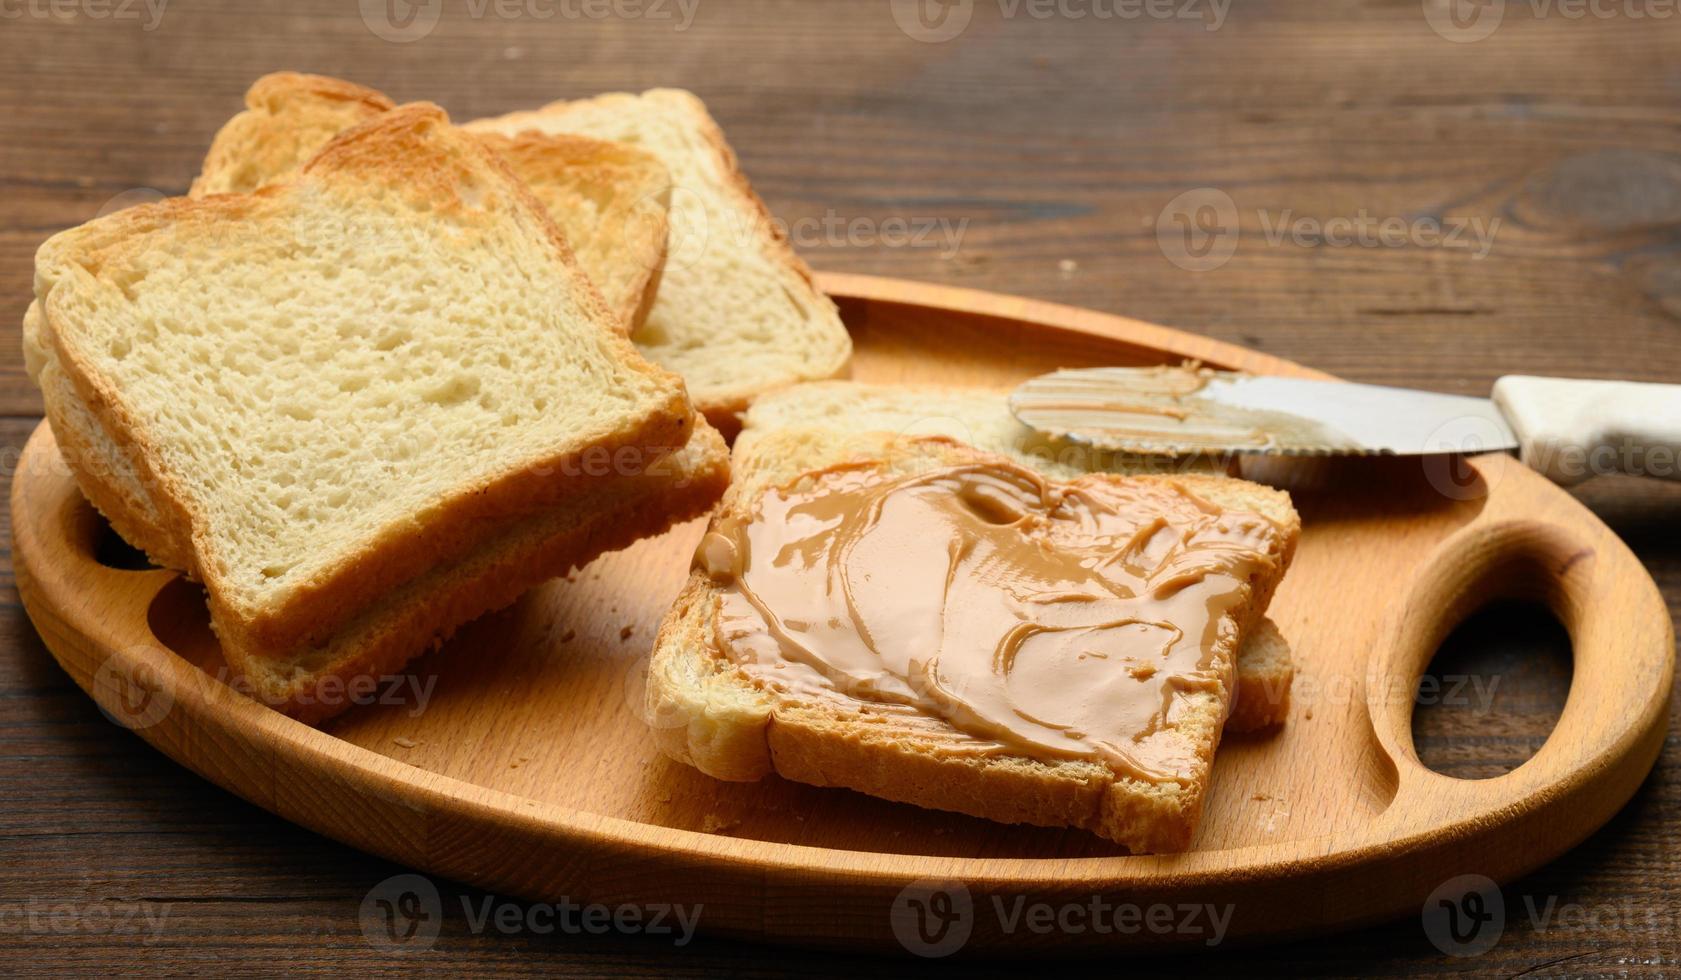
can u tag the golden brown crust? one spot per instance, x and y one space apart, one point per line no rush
291 117
1262 697
413 151
610 200
288 117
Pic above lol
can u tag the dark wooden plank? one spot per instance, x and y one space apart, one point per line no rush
1050 148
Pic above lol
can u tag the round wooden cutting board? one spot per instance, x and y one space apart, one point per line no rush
515 758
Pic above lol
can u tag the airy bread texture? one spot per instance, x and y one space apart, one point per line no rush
292 366
106 472
737 312
981 418
608 199
707 712
311 682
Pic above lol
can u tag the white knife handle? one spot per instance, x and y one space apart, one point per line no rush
1573 429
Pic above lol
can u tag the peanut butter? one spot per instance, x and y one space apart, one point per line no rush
1160 411
1057 621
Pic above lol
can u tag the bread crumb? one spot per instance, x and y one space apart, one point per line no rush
402 742
1067 268
626 631
714 823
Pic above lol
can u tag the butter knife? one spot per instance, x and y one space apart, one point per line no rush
1567 429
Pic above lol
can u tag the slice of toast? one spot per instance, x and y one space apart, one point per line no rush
313 683
981 418
737 312
289 388
608 199
708 711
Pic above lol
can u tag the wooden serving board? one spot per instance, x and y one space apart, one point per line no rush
526 769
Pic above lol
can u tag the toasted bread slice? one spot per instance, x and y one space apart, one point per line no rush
737 312
707 711
608 199
311 682
290 408
981 417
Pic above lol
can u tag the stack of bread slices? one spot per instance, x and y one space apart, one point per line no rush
378 374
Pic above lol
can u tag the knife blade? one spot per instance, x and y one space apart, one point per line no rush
1184 410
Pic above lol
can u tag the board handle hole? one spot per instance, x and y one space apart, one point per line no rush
1493 692
110 550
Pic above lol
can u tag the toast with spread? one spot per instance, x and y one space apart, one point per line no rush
922 621
981 418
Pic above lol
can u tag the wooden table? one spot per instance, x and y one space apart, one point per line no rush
1034 152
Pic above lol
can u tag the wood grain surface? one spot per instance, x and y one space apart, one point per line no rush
1054 144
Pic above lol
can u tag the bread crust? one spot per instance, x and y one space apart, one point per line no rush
722 404
393 151
707 713
254 146
422 615
633 228
290 117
